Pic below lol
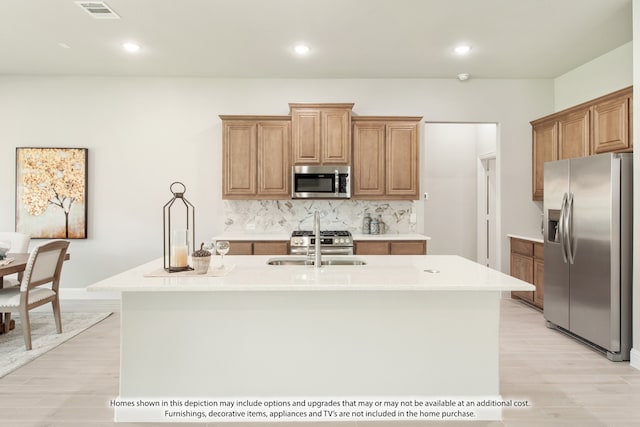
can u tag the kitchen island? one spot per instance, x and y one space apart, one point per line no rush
411 327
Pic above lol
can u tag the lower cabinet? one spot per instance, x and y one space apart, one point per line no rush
262 247
527 264
390 247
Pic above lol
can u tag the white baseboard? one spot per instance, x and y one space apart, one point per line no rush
635 358
83 294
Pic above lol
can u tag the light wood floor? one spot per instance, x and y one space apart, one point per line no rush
566 382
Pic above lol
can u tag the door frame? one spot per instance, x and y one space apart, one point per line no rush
484 240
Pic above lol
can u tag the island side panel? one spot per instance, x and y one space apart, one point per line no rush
309 344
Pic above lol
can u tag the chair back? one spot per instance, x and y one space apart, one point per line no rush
44 265
19 241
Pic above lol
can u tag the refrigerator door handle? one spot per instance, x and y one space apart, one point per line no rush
569 229
561 228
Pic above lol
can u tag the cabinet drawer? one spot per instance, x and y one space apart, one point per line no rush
371 248
523 247
271 248
240 248
411 247
538 250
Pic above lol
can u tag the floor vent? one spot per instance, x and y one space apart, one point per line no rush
98 9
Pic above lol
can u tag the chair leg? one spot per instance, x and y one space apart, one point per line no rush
26 327
56 314
7 322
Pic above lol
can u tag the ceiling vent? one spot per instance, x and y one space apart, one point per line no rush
98 9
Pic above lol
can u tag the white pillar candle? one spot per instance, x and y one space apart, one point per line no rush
179 255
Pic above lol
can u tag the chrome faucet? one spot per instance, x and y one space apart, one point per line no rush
316 231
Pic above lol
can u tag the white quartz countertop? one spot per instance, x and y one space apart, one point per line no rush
283 236
391 236
532 239
381 273
253 236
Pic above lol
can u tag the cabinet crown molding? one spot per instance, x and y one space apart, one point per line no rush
386 118
584 105
253 117
293 105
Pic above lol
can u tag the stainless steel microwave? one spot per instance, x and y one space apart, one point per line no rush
320 182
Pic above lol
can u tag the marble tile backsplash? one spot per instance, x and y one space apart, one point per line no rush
284 216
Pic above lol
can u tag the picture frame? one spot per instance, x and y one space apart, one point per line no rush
51 192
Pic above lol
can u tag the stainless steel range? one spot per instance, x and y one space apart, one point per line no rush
331 242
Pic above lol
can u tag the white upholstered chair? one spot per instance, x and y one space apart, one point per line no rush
43 268
19 244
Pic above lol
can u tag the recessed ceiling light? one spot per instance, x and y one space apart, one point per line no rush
463 49
131 47
301 49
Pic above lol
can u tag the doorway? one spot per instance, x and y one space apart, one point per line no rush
460 191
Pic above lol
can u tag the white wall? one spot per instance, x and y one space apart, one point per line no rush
144 133
635 352
605 74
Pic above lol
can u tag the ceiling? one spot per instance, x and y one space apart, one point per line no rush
348 38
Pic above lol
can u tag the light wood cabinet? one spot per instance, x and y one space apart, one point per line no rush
255 157
527 264
368 172
321 133
598 126
390 247
545 149
385 157
573 134
261 247
612 125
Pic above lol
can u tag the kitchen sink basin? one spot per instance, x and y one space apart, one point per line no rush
326 261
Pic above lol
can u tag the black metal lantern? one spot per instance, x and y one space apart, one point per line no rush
178 219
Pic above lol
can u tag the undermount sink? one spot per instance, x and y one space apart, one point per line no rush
305 261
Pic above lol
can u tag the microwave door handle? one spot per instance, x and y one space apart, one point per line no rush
336 184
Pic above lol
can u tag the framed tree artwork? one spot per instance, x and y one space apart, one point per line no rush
51 192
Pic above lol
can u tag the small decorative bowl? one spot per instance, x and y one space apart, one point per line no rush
201 260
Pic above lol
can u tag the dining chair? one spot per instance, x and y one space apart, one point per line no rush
43 268
19 244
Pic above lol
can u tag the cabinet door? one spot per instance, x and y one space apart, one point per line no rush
522 268
368 160
239 159
336 136
573 135
377 247
545 149
274 171
402 160
305 125
538 281
417 247
611 125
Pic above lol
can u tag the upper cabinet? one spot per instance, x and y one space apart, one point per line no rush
321 133
612 125
598 126
258 151
385 157
255 157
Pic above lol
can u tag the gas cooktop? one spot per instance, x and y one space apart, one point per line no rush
323 233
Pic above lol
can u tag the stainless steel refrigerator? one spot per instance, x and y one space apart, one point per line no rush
587 250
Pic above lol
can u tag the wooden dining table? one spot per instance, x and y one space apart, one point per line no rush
18 265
